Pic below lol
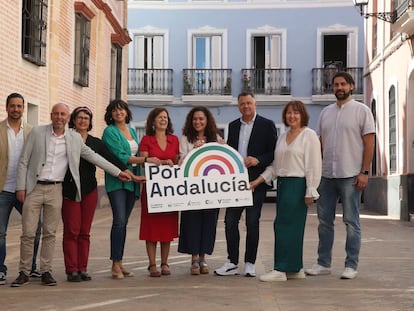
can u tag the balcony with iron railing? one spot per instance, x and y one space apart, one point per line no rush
150 81
207 82
322 79
267 81
404 18
216 85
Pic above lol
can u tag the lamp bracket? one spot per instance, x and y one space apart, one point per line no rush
389 17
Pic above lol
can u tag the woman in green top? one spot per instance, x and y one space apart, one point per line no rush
122 141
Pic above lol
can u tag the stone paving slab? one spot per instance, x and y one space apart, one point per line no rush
385 281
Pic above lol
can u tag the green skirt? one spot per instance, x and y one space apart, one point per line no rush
289 224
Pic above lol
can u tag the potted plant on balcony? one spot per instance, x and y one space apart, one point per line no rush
227 87
246 82
188 89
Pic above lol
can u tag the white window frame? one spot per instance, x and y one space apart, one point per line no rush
31 112
206 31
225 128
266 31
393 82
352 44
148 31
139 128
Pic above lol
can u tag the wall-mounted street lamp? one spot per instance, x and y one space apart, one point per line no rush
389 17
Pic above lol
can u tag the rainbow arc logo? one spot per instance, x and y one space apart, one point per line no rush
210 176
213 157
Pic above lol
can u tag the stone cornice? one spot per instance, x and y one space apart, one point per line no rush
83 9
121 36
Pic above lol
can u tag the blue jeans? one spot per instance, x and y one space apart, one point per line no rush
7 202
231 221
122 202
330 190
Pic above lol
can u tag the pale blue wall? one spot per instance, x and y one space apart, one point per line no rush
301 25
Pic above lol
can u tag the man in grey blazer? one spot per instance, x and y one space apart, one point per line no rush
47 154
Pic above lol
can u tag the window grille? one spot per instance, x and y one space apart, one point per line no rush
82 45
34 25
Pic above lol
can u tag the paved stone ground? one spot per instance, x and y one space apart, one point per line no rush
385 281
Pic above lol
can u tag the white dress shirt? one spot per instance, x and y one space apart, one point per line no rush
56 159
15 147
244 136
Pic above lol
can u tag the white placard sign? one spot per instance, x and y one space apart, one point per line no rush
212 176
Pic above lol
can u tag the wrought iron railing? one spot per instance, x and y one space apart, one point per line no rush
322 79
267 81
207 82
150 81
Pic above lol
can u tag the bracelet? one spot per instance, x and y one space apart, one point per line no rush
145 159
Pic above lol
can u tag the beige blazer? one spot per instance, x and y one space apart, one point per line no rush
33 157
4 149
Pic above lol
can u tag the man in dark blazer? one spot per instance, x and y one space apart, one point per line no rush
255 139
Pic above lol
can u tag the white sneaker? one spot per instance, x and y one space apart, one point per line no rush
227 269
249 269
296 275
318 270
273 276
349 274
2 278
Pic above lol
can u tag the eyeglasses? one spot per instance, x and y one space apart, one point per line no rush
82 118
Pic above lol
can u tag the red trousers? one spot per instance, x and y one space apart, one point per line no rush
77 221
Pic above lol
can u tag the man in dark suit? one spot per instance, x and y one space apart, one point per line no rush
255 139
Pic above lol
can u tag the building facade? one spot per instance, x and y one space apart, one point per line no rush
389 81
186 53
73 52
63 51
192 52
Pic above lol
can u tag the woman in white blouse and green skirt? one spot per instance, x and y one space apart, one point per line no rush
297 167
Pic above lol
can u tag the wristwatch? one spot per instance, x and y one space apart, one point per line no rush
364 172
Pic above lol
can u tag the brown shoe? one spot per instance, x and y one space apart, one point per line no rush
21 280
48 280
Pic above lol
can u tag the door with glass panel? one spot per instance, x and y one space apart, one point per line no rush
149 57
207 64
266 57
